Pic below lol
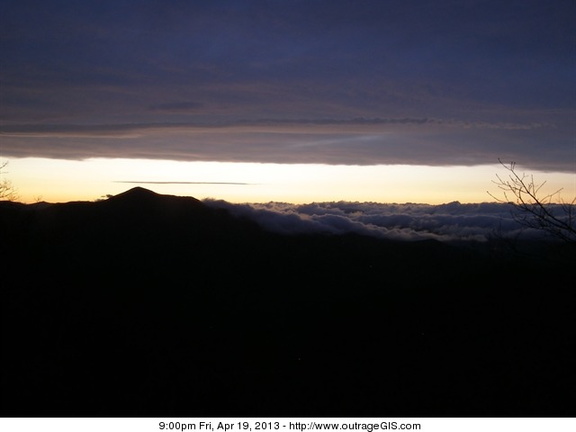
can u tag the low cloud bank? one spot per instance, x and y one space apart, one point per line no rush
355 141
446 222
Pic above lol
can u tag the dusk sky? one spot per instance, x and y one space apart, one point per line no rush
389 101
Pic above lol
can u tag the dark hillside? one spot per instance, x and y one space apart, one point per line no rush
152 305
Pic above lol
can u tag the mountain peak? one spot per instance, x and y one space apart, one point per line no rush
137 193
138 196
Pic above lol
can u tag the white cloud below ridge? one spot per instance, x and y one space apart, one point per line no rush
446 222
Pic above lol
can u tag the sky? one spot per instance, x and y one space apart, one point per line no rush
296 101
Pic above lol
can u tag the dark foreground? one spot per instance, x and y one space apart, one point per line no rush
147 305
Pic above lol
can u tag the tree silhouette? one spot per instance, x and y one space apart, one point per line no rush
7 190
532 209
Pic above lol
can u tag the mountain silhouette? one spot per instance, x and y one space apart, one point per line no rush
136 193
141 198
156 305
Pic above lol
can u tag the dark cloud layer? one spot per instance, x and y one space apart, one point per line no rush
79 78
325 141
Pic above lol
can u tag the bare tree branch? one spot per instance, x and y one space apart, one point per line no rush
534 211
7 190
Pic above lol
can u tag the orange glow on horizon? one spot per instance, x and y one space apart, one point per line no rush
54 180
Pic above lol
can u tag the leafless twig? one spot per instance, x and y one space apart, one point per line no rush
534 211
7 190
